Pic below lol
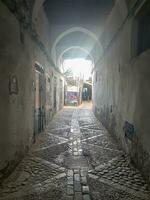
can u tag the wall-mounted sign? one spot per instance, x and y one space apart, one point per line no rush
13 84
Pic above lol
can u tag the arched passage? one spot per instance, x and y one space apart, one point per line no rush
75 144
75 47
69 31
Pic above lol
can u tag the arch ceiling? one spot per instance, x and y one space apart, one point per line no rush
69 53
74 26
76 36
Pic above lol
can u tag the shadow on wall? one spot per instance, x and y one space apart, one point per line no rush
106 116
126 86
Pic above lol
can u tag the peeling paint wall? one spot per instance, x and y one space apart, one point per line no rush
121 92
20 50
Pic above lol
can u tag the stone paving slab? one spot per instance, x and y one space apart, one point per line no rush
55 154
46 140
119 171
104 191
75 159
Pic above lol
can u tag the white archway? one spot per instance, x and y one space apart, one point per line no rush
74 29
74 47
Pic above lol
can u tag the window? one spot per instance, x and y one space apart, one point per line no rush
141 30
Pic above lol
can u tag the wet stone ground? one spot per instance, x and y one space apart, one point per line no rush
75 159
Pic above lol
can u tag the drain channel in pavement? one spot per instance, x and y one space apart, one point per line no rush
77 184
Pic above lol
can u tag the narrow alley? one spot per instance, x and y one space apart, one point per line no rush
75 158
74 99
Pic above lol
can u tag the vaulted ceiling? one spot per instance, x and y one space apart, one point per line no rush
78 12
86 17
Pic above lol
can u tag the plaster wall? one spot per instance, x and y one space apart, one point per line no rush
18 54
43 28
121 89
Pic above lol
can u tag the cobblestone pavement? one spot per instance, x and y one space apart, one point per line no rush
75 159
